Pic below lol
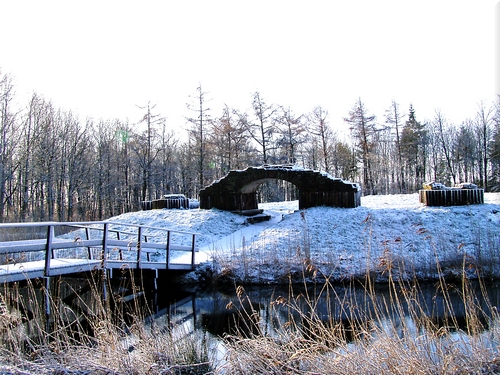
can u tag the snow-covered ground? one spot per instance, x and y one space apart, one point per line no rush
386 232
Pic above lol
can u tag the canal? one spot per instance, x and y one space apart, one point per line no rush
352 310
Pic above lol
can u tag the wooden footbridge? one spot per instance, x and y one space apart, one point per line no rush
88 246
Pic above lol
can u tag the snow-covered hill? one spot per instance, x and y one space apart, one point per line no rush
386 232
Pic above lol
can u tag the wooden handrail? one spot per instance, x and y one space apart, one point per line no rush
90 224
141 245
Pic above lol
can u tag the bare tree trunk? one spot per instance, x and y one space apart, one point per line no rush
394 118
484 122
445 144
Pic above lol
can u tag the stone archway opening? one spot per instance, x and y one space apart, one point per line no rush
237 191
270 190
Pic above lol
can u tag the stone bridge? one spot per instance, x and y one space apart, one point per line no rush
237 191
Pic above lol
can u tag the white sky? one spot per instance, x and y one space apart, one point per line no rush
105 58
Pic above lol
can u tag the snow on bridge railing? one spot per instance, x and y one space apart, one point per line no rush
134 239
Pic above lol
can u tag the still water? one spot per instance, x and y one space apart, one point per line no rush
266 309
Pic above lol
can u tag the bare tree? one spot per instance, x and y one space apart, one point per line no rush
230 141
363 130
465 152
394 119
198 134
47 154
8 139
445 138
263 129
146 149
324 136
291 130
123 134
165 168
484 127
495 150
28 136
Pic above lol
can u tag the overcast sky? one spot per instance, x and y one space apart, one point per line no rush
105 58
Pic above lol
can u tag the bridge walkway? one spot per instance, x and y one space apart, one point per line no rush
87 246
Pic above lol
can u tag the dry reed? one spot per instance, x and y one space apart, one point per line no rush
373 335
90 337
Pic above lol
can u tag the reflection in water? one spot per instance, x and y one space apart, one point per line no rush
347 313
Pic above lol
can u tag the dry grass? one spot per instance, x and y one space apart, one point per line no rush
91 338
371 335
356 333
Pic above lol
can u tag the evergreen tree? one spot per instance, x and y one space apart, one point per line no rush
413 150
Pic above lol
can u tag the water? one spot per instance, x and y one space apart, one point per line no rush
266 310
352 309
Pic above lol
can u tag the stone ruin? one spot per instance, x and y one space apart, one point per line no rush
237 191
438 194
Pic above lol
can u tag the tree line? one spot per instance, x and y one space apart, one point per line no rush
56 166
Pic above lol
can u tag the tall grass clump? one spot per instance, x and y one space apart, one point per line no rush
365 332
93 335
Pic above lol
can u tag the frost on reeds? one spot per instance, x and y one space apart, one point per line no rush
91 337
370 334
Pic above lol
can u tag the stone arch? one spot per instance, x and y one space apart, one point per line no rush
237 190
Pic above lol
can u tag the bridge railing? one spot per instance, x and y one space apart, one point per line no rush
107 244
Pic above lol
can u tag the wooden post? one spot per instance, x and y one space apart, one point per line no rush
193 247
139 242
46 283
87 237
167 256
104 280
48 250
104 253
156 280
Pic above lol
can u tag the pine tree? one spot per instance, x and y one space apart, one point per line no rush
413 150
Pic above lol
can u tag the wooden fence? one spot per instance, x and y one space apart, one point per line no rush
180 202
451 197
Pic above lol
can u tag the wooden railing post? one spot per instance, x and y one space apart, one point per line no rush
104 253
193 248
87 237
139 243
48 249
167 256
